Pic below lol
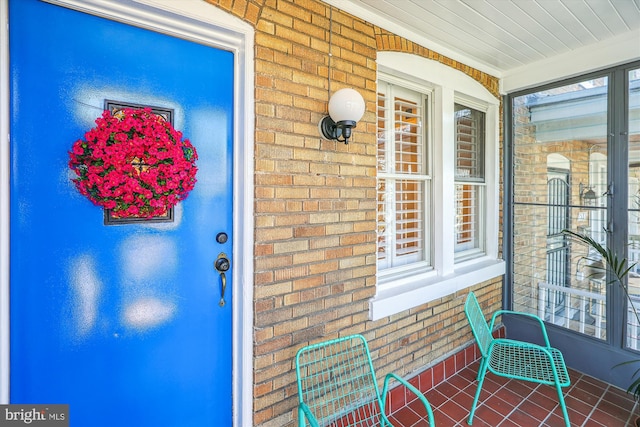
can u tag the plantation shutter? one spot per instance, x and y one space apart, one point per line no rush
469 195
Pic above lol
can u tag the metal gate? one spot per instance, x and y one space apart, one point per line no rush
557 269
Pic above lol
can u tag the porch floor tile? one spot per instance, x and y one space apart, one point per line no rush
506 403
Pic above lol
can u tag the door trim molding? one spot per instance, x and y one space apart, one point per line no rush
200 22
5 165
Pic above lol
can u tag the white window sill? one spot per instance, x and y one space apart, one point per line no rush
428 287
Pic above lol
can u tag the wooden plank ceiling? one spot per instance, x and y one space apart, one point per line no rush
502 35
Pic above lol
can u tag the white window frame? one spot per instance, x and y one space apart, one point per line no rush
399 86
479 250
399 292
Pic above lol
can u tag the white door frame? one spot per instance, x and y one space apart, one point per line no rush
197 21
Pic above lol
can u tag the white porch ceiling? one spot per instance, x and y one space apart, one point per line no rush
502 36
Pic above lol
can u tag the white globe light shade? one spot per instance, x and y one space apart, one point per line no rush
346 105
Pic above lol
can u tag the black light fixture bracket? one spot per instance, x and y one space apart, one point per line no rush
340 131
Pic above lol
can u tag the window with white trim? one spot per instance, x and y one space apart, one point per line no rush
438 168
470 182
403 179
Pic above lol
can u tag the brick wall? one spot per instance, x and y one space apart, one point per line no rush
315 203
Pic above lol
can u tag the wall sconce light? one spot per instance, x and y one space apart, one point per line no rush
588 197
346 107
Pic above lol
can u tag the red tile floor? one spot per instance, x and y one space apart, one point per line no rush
511 403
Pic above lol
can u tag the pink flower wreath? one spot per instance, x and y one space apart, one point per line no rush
134 163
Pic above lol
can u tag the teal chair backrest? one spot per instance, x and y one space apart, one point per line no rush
336 382
479 326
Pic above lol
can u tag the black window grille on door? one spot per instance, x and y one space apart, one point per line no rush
557 271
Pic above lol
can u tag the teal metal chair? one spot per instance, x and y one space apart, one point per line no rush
515 359
337 386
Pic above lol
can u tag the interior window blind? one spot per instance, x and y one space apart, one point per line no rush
469 177
401 180
382 213
469 144
409 216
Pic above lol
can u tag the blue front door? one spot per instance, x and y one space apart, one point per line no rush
122 322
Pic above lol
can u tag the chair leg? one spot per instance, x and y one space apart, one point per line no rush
563 406
481 368
482 372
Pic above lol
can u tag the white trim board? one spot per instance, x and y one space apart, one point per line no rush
5 163
200 22
609 53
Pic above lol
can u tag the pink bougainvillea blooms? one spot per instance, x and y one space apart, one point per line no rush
134 163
